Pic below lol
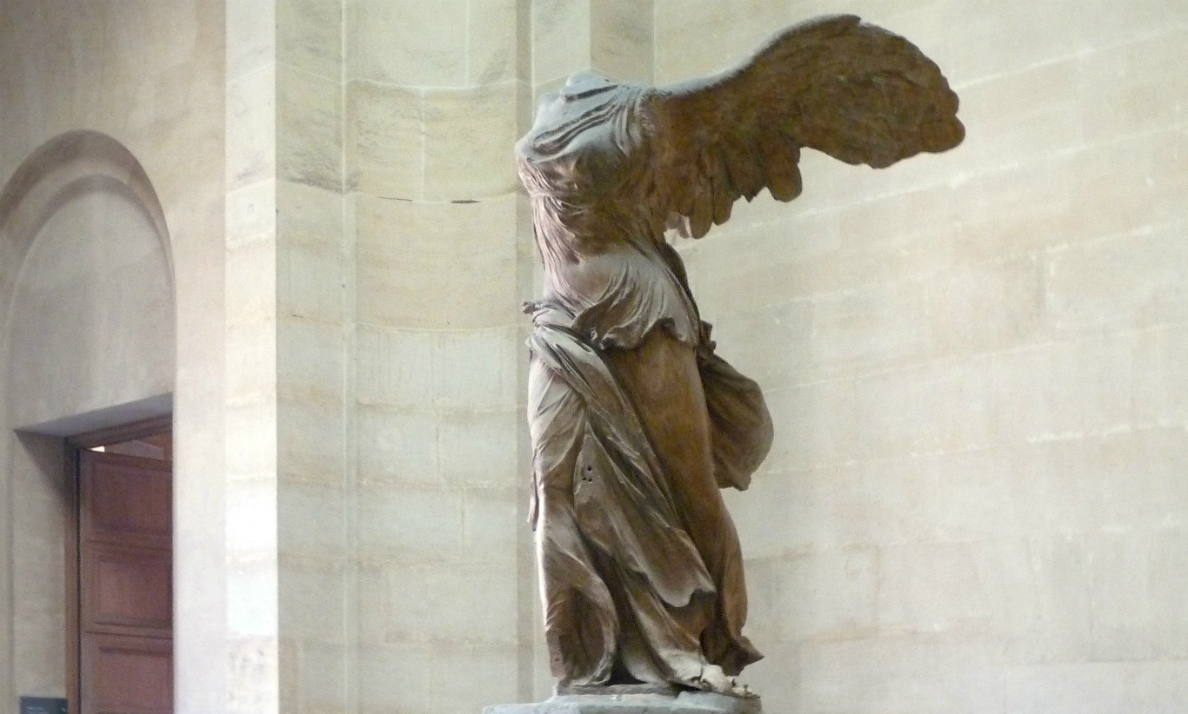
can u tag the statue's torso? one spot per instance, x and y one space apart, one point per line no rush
604 258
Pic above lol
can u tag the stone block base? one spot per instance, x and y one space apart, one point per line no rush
623 700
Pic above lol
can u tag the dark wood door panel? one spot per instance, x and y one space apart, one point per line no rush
126 499
125 584
130 591
127 675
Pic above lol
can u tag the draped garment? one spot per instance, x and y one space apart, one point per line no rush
636 586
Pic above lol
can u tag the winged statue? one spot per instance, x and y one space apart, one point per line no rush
635 422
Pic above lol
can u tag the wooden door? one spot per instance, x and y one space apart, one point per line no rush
125 585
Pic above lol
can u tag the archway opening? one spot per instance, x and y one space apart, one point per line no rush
87 342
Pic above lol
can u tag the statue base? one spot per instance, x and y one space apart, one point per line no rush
633 699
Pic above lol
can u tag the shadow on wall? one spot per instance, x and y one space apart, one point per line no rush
89 309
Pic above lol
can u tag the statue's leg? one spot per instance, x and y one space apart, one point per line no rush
662 379
581 627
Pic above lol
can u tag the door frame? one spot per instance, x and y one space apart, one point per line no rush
75 444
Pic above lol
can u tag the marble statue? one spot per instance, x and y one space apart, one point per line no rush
635 421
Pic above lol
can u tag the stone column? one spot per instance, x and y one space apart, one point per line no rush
314 366
251 358
289 345
433 97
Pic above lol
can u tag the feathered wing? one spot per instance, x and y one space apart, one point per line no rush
851 90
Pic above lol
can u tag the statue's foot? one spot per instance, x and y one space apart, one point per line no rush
713 679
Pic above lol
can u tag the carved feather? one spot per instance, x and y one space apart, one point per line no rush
854 91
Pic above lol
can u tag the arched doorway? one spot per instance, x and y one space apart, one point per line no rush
86 343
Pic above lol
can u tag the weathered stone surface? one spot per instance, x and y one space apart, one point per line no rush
634 699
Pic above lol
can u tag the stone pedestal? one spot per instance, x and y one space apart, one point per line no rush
616 700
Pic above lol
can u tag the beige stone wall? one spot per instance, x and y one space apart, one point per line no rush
436 95
315 353
375 367
148 75
976 499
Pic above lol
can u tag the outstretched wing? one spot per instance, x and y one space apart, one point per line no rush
851 90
